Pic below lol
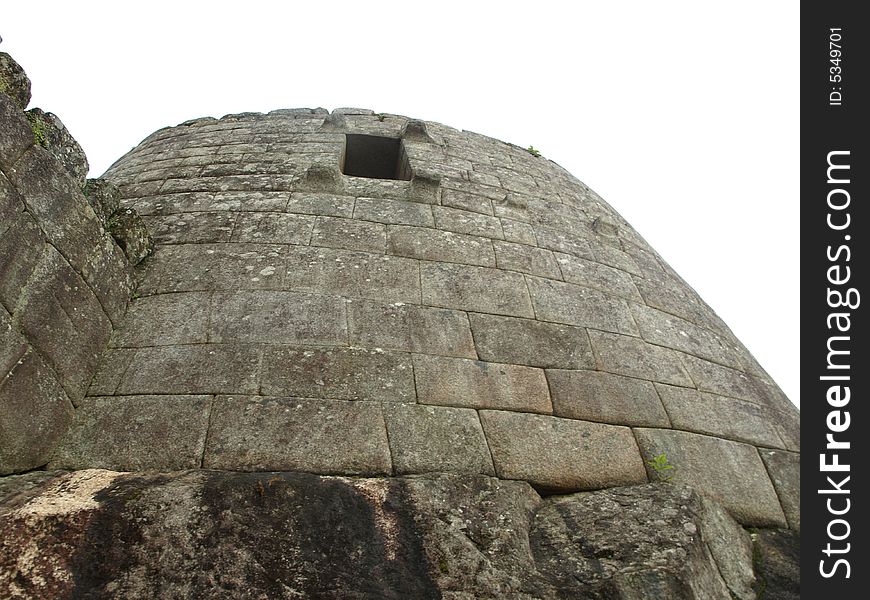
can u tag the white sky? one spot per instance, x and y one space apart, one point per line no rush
682 115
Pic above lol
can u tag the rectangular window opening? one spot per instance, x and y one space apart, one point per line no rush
375 157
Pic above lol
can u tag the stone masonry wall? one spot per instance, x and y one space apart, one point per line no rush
492 315
64 282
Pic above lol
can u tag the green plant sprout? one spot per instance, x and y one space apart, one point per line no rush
533 151
662 467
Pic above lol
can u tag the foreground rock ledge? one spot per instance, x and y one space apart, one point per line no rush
193 534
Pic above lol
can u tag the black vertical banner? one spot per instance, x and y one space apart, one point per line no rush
835 365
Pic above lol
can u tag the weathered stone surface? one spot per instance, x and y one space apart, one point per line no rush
57 204
631 356
208 267
273 228
16 135
113 364
519 232
191 228
103 533
575 305
410 328
50 133
597 276
353 274
393 212
530 342
129 231
446 246
629 558
267 434
606 398
320 204
276 317
476 384
561 454
349 234
193 369
104 197
526 259
673 332
777 563
343 373
712 377
158 432
463 221
20 248
436 439
14 81
723 417
475 288
784 469
34 413
729 472
64 321
165 319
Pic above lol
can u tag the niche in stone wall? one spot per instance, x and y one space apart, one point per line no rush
375 157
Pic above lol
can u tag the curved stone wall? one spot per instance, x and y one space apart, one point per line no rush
490 315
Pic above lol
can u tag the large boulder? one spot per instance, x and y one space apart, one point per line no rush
196 534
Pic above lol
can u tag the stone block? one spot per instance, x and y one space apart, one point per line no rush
718 416
606 398
253 201
712 377
675 297
475 384
342 373
393 212
631 356
277 318
208 267
784 469
110 277
34 413
475 288
556 454
526 259
290 434
14 83
135 433
463 221
130 233
560 241
467 202
436 439
273 228
530 342
673 332
614 257
193 369
320 204
191 227
12 345
437 245
598 276
165 319
353 274
575 305
731 473
349 234
16 135
21 245
104 197
400 326
63 320
58 206
113 364
519 232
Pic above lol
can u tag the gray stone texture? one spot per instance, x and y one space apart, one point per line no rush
14 82
606 398
785 472
730 472
476 384
557 454
104 533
